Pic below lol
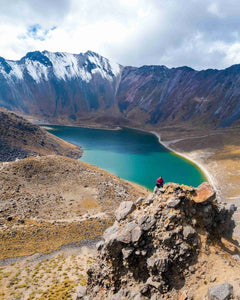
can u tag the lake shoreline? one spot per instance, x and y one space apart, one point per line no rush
198 164
202 168
183 155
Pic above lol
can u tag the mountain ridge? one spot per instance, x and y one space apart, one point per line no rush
70 87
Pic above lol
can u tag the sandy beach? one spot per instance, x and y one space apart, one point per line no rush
189 157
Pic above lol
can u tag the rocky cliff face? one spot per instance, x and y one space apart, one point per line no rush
181 95
58 84
156 243
72 87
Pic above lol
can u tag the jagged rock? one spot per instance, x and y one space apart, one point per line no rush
146 222
158 264
153 283
144 289
149 199
81 292
156 241
221 291
204 193
111 232
230 207
139 200
127 252
99 245
188 232
183 248
130 233
174 202
136 234
167 239
124 209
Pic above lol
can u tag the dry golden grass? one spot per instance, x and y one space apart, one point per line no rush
45 237
52 277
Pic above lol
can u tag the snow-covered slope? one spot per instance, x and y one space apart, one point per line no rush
51 83
43 65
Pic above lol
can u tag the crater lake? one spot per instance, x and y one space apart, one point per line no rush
131 154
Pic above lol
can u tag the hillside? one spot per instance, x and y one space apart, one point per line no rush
88 88
50 201
20 138
173 244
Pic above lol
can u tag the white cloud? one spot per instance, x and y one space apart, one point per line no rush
200 34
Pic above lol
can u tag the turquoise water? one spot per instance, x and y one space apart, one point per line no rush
131 154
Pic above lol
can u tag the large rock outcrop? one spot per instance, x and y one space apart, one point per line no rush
148 251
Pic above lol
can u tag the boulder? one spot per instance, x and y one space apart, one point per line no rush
142 252
174 202
146 222
127 252
81 292
139 200
110 233
149 199
204 193
124 209
157 263
153 283
223 291
188 232
130 233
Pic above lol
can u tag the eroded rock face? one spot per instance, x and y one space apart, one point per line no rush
146 254
124 209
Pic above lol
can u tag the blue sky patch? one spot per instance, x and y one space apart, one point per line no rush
37 32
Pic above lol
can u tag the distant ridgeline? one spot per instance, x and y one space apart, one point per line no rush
74 87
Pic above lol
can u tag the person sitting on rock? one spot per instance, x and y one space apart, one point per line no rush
159 182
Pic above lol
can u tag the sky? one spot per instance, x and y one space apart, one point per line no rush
197 33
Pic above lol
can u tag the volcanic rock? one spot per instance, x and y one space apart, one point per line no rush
142 253
204 193
221 291
124 209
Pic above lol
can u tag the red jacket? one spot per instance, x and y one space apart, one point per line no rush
160 181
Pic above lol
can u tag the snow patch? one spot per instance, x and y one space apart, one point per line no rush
16 71
36 70
104 66
65 66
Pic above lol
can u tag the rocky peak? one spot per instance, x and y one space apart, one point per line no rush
5 66
38 57
155 241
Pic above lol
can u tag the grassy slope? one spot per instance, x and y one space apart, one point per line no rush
60 200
